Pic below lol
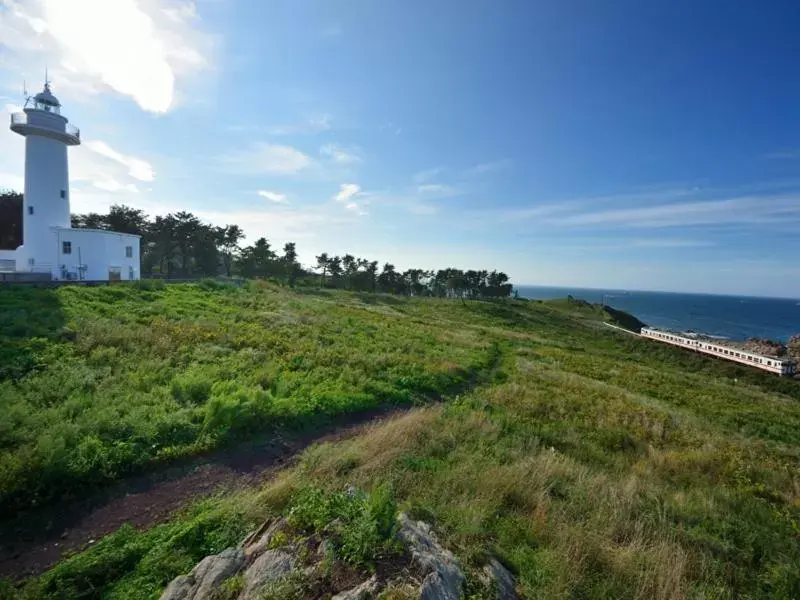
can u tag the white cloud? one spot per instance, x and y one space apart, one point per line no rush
135 48
104 168
137 168
10 181
266 159
109 184
490 167
342 156
282 224
346 192
273 196
427 175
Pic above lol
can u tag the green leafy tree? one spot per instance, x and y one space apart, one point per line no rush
335 269
257 260
289 261
125 220
10 220
323 261
349 266
228 239
372 275
389 280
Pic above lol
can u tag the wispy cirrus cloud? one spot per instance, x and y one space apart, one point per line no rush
262 158
313 124
490 167
588 244
743 210
427 175
346 192
276 197
341 155
138 168
772 204
353 198
438 190
789 154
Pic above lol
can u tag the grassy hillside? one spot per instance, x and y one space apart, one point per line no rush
99 382
594 463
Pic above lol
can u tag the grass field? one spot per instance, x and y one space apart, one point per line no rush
593 463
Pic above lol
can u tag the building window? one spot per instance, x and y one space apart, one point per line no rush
30 210
31 261
128 251
66 247
63 194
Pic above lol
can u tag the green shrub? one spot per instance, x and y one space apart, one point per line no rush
361 527
149 284
191 388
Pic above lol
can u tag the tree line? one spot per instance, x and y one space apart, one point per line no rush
180 245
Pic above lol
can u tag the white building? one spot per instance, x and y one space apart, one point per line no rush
49 244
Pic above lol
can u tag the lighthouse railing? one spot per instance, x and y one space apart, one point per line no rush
72 130
19 118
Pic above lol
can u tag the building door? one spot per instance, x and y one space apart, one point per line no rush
114 274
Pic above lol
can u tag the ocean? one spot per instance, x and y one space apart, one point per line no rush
727 317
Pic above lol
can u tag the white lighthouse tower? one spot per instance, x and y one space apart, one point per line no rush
50 247
46 199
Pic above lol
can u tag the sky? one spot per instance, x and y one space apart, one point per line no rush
628 144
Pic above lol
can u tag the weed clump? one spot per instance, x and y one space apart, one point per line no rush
360 526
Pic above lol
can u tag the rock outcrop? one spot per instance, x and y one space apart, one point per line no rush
444 579
500 580
765 347
365 591
207 575
274 554
270 566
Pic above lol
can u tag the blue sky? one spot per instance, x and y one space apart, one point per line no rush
642 145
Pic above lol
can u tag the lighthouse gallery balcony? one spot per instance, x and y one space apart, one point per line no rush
47 124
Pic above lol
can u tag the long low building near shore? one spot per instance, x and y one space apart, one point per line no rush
780 366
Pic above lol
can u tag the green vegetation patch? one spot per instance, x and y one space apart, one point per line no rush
592 463
100 382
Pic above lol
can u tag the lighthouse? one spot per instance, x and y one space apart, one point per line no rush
51 248
48 134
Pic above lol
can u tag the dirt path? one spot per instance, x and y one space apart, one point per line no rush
34 541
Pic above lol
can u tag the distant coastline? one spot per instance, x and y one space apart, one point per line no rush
735 318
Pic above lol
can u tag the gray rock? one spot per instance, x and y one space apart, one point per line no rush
444 579
500 579
180 588
446 583
365 591
206 576
322 551
270 566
